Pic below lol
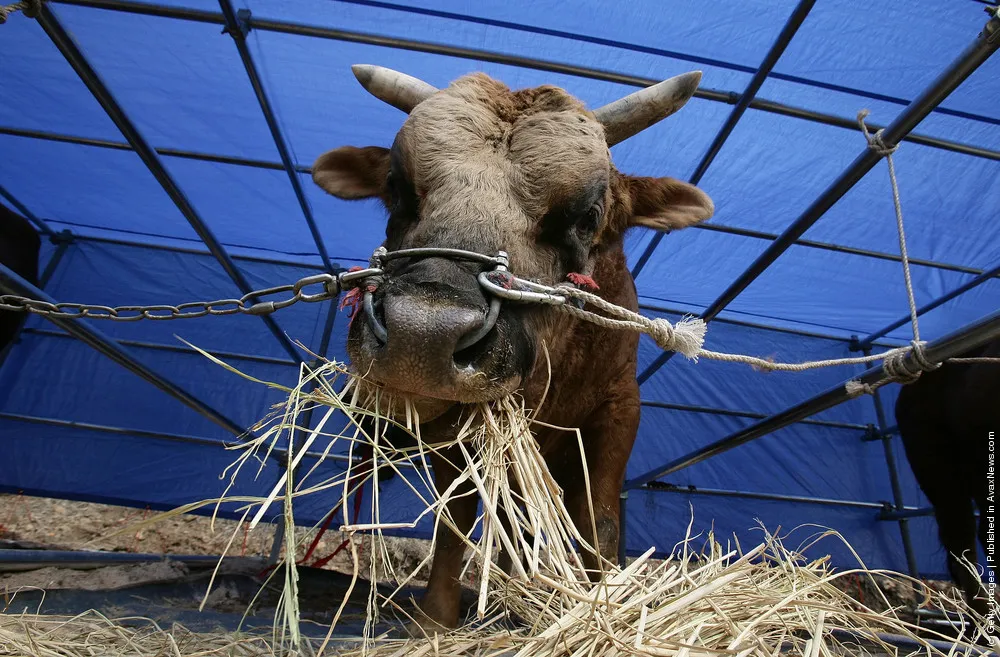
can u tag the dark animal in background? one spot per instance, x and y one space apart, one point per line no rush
945 419
479 167
19 249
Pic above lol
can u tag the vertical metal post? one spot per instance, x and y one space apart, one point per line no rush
62 240
238 26
324 346
25 212
784 38
897 490
622 532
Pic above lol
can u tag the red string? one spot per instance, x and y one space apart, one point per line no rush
583 281
363 469
353 298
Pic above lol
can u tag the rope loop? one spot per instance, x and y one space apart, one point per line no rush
875 141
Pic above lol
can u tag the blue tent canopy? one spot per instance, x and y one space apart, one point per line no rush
74 424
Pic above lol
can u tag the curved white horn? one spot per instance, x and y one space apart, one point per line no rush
634 113
402 91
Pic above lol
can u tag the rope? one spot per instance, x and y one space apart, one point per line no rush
686 337
30 9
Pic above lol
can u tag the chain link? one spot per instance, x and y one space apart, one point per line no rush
249 304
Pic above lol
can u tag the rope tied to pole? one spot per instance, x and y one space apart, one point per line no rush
895 364
30 9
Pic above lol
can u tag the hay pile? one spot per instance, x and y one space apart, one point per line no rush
707 600
92 634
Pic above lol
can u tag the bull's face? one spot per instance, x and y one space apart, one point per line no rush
481 168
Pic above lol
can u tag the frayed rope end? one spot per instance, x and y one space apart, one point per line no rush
857 388
686 337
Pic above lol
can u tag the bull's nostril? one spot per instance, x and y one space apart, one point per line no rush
473 338
374 323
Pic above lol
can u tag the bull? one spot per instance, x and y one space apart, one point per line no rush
945 420
479 167
20 246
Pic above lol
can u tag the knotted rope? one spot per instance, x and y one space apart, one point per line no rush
895 364
30 9
685 337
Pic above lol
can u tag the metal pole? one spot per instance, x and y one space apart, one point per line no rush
166 152
984 45
181 249
656 487
943 299
180 349
922 512
728 97
277 166
950 346
69 49
237 25
63 240
25 212
11 283
277 454
622 532
784 38
747 414
897 490
324 346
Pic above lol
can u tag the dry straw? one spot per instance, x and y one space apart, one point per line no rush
706 600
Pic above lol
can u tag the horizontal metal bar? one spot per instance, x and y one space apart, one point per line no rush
181 249
278 454
926 308
277 166
25 212
71 52
103 428
180 349
908 512
748 414
756 325
760 75
165 152
11 283
728 97
769 497
949 346
17 560
672 54
840 248
984 45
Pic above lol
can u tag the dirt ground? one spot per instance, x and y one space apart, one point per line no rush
62 524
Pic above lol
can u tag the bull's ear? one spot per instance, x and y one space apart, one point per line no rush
353 173
667 204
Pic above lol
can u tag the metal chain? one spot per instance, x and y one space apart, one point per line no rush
330 287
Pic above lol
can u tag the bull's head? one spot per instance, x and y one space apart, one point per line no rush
478 167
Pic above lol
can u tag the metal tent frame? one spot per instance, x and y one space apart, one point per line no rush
238 23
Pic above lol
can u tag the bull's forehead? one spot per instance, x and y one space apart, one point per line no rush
498 150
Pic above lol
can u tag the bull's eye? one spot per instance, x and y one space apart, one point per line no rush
590 220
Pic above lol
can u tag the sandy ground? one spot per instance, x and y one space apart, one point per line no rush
63 524
79 525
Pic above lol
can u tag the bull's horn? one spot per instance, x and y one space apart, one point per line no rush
634 113
402 91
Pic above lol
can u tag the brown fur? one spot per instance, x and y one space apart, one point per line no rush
944 421
487 165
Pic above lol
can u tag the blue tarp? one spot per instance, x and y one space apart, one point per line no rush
183 85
